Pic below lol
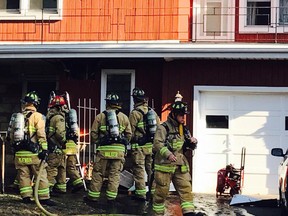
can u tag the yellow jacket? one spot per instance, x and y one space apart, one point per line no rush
138 126
35 127
99 130
168 142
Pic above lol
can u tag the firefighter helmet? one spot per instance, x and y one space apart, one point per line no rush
138 94
179 107
57 101
112 99
31 97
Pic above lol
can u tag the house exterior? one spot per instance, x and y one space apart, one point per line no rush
227 58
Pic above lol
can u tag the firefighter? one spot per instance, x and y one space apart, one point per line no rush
144 121
110 132
29 143
56 137
72 135
170 161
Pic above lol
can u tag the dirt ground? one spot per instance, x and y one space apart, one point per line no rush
72 204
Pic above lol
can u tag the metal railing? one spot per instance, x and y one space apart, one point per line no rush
86 116
184 24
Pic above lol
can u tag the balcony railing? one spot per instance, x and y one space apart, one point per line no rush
183 24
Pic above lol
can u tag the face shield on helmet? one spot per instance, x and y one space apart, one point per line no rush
57 101
138 94
32 98
112 99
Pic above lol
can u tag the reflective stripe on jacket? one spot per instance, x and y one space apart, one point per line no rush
99 130
166 143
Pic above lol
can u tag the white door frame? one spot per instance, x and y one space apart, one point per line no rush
104 73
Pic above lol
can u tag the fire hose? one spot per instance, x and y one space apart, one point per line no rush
42 165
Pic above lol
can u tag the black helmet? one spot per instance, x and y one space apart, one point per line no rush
179 107
31 97
112 99
138 94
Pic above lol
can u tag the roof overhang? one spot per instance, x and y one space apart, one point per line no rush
146 50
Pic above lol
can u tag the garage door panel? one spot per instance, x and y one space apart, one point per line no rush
258 164
216 102
209 165
259 184
207 182
253 125
256 102
285 103
260 144
217 143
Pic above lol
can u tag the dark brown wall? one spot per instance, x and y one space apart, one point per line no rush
84 78
183 75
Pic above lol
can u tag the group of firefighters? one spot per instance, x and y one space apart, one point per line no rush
157 150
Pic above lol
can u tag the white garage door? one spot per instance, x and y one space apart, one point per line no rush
228 121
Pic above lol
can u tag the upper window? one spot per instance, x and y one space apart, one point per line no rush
263 16
12 5
30 9
258 12
283 12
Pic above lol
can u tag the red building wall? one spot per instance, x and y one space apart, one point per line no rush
109 20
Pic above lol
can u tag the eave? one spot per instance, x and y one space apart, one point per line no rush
146 50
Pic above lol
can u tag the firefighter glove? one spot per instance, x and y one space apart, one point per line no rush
43 154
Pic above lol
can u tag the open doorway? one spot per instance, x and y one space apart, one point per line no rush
120 82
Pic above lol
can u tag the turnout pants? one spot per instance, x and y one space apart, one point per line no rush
182 183
114 168
56 171
142 164
25 184
73 172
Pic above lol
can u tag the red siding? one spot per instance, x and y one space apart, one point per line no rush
184 75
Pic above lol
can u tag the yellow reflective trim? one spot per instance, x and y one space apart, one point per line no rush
163 150
103 128
140 124
25 153
111 148
165 168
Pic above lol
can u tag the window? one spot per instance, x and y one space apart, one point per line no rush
31 9
12 5
214 121
44 4
258 12
50 4
283 12
213 20
286 122
263 16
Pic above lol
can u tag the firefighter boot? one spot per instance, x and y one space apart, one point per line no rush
48 202
27 200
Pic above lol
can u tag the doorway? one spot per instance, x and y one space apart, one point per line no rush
120 82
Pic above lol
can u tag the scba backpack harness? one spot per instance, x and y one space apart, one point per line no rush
21 138
150 125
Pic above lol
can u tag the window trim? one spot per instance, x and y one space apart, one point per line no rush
26 14
272 28
198 27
